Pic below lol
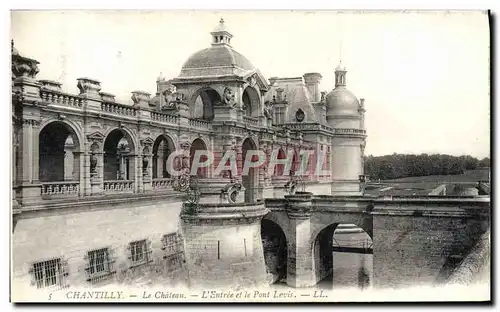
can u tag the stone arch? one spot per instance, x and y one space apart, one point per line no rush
202 103
162 148
59 150
279 169
295 161
198 144
74 127
128 133
250 178
275 248
251 102
342 251
119 152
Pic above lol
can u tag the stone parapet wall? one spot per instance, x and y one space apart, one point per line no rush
475 264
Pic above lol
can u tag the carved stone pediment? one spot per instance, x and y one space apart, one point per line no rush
147 142
96 137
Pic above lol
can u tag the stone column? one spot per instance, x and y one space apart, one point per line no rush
265 186
31 186
78 171
146 160
94 161
227 146
239 161
135 173
14 163
300 261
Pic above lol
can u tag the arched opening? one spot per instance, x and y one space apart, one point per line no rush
295 163
198 144
162 148
279 169
343 257
251 102
118 156
275 251
204 102
249 180
59 157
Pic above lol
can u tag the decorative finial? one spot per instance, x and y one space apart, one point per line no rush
221 20
11 45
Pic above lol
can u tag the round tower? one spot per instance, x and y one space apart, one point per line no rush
345 113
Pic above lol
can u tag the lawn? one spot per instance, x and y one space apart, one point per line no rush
469 176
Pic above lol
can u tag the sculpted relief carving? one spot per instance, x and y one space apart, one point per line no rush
268 113
172 98
228 98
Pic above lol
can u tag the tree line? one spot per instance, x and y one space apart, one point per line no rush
397 166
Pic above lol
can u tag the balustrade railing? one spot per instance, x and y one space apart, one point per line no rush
118 186
61 98
162 183
349 131
164 118
251 120
200 124
118 109
69 188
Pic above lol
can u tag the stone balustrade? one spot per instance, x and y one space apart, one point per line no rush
200 124
164 118
118 186
69 188
251 120
165 183
119 109
59 98
349 131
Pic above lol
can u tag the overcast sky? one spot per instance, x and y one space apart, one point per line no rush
425 76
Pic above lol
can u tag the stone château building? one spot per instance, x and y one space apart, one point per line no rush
92 199
83 147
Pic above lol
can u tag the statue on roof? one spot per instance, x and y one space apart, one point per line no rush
228 98
268 110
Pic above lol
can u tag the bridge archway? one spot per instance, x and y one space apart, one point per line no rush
275 250
59 157
203 102
343 256
249 179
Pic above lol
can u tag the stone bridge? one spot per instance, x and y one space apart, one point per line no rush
415 240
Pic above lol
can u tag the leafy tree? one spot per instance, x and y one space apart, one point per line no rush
408 165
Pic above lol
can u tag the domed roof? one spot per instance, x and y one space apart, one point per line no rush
218 60
218 56
341 101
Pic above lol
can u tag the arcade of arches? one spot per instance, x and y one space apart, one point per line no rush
342 255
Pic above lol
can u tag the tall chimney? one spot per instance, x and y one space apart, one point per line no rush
312 81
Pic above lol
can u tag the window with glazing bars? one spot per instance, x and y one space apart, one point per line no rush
47 273
98 262
139 251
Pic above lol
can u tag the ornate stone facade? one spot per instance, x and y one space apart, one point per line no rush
89 148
